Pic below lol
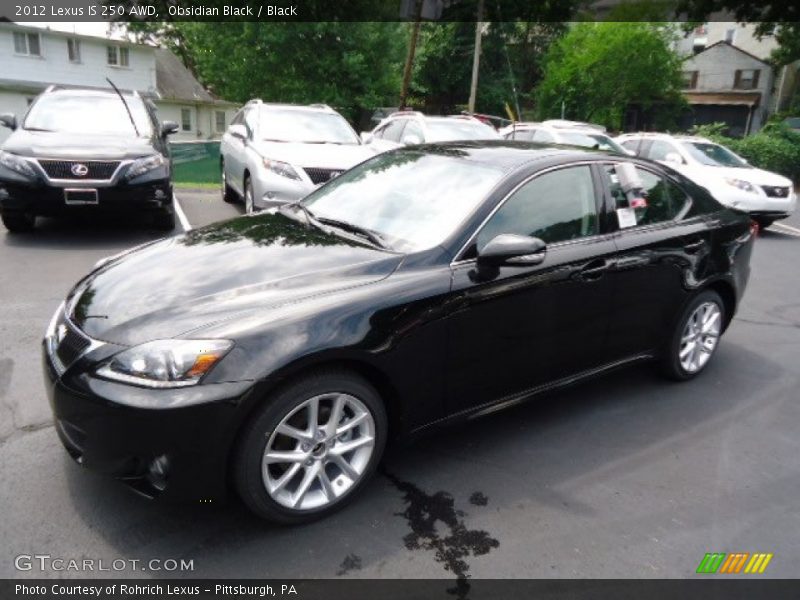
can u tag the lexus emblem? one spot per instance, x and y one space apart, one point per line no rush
79 170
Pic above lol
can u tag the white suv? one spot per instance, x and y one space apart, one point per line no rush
277 153
766 196
407 127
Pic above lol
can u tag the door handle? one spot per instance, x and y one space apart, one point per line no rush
694 247
594 270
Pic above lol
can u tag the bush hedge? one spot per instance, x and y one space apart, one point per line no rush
775 148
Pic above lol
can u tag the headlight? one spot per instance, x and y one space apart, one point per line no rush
281 168
143 165
15 163
741 184
165 363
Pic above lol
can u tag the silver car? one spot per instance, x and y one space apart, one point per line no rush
404 128
272 154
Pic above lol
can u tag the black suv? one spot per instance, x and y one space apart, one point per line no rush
85 149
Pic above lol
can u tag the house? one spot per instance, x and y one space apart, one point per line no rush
727 77
33 58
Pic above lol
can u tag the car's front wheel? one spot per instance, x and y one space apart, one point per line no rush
696 336
19 222
228 195
249 197
311 448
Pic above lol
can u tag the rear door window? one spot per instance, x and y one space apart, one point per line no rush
394 130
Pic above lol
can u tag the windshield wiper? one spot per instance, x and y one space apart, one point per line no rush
37 129
309 216
373 236
127 108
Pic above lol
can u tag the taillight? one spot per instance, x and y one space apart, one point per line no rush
754 228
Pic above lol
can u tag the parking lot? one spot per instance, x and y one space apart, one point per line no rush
628 476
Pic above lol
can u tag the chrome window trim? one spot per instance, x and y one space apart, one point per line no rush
459 261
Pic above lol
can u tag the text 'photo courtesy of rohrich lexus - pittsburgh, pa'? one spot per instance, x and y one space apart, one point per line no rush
274 355
79 151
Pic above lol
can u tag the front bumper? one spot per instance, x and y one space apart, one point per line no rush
172 453
271 190
760 204
48 200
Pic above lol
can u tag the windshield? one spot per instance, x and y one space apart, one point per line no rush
413 200
454 130
98 114
305 126
713 155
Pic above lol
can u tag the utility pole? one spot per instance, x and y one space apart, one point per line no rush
412 49
476 59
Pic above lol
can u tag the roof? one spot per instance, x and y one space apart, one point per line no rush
8 24
505 154
732 46
724 98
175 82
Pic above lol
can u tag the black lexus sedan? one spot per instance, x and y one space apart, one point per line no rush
280 351
85 150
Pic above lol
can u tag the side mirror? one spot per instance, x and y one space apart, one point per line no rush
411 139
512 249
168 128
238 130
366 137
674 158
9 120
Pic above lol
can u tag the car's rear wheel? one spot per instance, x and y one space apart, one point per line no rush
696 337
311 448
19 222
249 198
228 195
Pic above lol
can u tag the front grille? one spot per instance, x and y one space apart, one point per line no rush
72 344
95 169
318 176
775 191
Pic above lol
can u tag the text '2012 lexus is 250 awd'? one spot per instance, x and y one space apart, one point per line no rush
278 352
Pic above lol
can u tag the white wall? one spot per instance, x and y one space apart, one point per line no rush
743 37
54 66
13 102
202 117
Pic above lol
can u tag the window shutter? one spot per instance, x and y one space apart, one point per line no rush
736 79
694 79
756 73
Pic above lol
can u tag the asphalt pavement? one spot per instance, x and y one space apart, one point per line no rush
626 476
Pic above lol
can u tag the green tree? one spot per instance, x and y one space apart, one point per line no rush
597 70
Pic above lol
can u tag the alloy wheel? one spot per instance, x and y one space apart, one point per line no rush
249 205
318 452
700 336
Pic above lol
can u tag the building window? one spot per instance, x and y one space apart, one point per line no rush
689 80
186 119
746 79
27 44
74 50
118 56
220 117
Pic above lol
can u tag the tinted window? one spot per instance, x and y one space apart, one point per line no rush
714 155
658 200
450 130
393 130
525 135
554 207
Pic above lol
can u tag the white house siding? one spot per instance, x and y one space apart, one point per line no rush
203 116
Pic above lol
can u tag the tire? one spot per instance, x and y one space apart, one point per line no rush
19 222
228 195
164 221
686 358
319 463
249 198
764 222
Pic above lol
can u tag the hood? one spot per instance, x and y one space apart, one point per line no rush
750 174
321 156
226 270
47 144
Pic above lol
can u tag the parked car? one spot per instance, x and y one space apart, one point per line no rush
426 285
277 153
405 128
766 196
85 149
563 132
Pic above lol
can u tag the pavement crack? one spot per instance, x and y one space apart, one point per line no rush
451 548
351 562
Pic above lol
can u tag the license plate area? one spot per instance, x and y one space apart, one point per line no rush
80 196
